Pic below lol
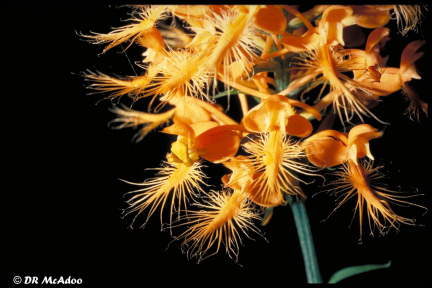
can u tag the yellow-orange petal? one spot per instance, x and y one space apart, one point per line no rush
376 39
201 127
188 111
153 39
324 134
298 126
219 142
408 57
271 19
243 170
358 141
370 17
182 130
300 44
390 82
326 152
331 27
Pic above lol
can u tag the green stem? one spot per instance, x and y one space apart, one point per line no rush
306 242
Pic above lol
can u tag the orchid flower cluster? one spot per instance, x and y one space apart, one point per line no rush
299 71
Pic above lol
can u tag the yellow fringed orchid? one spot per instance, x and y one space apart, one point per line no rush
182 173
146 19
362 180
133 118
394 79
226 215
407 16
330 148
223 217
274 153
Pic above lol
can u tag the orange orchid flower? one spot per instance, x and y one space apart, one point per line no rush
187 109
145 20
394 79
225 214
407 16
362 180
274 153
330 148
182 171
242 173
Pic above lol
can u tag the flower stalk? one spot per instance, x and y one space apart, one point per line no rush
306 241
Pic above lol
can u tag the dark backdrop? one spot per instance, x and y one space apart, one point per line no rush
61 193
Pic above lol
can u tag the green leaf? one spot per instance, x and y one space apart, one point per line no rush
354 270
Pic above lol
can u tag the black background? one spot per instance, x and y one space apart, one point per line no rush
61 193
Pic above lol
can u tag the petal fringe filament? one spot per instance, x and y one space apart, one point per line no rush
174 182
132 118
145 19
133 87
349 97
362 180
223 218
236 42
407 16
277 161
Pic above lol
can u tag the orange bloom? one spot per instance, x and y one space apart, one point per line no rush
226 215
330 148
407 16
274 154
394 79
173 181
222 218
362 180
327 64
242 173
145 20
